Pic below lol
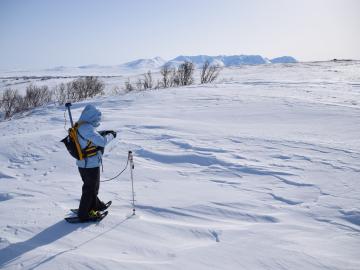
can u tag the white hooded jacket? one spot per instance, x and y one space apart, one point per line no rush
90 119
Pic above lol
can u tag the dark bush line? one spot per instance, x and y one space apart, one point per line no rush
11 102
79 89
174 77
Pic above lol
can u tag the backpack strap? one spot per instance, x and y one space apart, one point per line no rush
90 149
73 135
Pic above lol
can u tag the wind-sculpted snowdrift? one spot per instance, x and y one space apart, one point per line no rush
259 171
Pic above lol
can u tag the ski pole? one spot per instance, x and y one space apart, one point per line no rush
68 105
131 160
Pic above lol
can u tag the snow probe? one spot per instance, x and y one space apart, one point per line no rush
68 105
130 161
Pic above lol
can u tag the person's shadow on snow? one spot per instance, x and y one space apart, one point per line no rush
47 236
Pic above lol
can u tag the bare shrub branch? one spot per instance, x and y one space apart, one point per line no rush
209 73
60 93
93 86
147 81
84 88
79 89
37 96
11 102
174 79
166 73
128 86
139 84
184 74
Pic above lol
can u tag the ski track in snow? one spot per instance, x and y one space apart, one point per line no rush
259 171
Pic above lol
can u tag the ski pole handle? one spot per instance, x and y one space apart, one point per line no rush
68 105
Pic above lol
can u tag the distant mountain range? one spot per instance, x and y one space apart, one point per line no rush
231 60
143 65
199 60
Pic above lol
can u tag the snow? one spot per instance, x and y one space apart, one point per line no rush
258 171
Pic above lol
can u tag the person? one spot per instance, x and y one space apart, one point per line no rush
89 167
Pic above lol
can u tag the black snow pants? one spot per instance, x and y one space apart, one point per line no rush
90 189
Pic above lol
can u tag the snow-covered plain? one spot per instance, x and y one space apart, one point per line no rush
258 171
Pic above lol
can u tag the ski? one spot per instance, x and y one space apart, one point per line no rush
107 205
90 219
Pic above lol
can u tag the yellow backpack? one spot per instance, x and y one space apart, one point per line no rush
72 144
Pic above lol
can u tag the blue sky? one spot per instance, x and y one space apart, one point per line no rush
40 33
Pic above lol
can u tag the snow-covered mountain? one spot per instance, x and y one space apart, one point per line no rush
283 59
230 60
152 63
221 60
197 60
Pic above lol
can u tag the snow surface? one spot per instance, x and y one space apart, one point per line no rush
259 171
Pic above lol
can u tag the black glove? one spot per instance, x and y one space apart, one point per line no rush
103 132
106 132
101 149
113 133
